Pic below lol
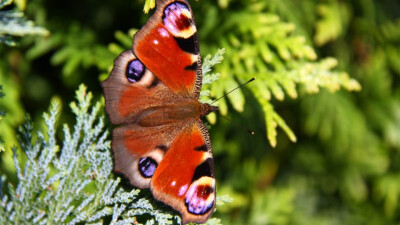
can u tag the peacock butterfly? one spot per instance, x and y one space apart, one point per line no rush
152 97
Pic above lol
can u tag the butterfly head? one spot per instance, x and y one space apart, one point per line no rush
206 109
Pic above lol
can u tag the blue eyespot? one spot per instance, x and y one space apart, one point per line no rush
147 167
176 8
135 71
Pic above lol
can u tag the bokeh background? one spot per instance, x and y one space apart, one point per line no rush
325 107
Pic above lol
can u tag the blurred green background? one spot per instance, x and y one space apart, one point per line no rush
334 158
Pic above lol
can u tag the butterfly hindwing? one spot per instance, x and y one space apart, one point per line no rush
184 179
174 160
168 45
139 150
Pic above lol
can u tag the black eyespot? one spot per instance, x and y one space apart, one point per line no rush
147 167
135 71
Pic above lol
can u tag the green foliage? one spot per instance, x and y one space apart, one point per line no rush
307 56
334 17
12 108
260 45
76 53
149 4
272 212
209 78
13 24
2 114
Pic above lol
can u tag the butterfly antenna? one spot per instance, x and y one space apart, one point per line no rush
237 124
252 79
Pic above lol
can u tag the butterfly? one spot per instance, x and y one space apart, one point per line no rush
152 97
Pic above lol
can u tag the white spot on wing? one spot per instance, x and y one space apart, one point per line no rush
182 190
163 32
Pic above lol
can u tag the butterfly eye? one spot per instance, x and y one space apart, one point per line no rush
135 71
147 167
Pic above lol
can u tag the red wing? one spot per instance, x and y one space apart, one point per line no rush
132 89
184 179
138 150
168 45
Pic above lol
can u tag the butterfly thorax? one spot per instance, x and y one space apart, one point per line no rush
206 109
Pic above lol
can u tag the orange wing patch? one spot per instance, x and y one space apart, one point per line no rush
185 177
138 150
168 46
163 56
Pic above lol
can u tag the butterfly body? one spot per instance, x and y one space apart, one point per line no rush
174 113
151 97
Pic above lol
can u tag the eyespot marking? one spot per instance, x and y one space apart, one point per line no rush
135 71
200 197
178 20
147 167
178 15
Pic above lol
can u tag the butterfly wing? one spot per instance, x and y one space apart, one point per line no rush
168 45
133 94
184 179
132 89
174 160
139 150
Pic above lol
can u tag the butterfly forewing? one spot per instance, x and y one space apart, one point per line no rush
168 45
132 89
